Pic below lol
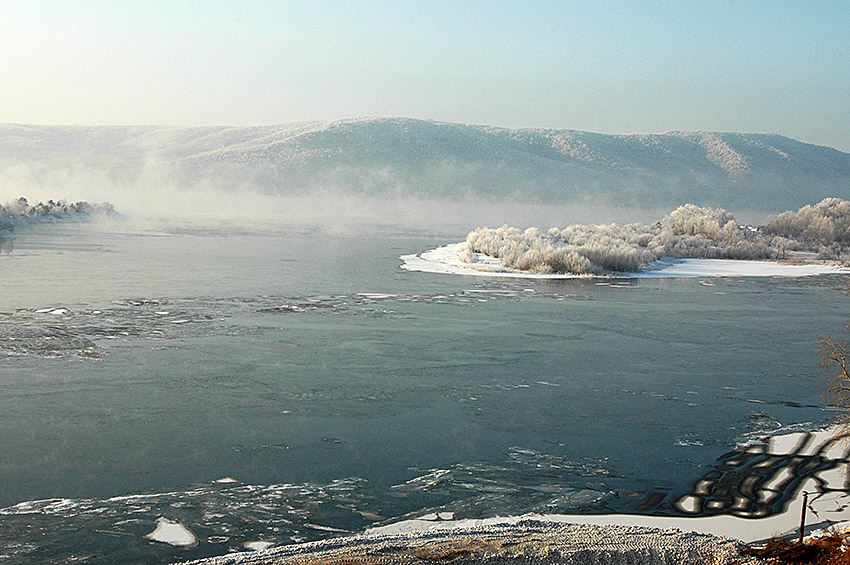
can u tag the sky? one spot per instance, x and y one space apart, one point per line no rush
610 67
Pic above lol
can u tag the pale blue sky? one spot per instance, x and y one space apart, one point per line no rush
614 67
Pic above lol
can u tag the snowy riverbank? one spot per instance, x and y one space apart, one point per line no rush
446 260
812 462
526 541
828 503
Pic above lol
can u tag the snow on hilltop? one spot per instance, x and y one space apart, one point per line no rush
417 158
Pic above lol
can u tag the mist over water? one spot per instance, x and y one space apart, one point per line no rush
167 207
409 172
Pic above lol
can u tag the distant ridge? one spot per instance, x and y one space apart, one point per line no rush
402 157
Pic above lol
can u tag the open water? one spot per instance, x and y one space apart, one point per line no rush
334 391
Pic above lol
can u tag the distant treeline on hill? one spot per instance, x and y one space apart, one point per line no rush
687 232
20 211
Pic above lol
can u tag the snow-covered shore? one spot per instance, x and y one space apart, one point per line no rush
526 541
828 503
616 538
446 260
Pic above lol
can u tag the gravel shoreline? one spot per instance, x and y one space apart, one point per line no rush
524 542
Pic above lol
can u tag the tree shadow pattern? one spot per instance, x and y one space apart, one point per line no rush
756 481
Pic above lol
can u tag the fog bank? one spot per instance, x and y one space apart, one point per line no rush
418 173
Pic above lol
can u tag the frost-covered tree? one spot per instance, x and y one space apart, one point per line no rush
825 223
833 353
688 231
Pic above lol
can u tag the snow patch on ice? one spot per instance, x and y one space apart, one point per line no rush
172 533
257 545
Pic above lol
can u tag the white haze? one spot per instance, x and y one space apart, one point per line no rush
409 174
398 173
156 200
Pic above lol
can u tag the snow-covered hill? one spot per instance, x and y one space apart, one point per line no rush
424 159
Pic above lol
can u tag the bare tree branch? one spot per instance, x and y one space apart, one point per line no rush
833 352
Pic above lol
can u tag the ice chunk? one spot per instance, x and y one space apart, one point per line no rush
172 533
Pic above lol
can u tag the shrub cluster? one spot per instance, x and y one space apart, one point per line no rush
687 232
823 228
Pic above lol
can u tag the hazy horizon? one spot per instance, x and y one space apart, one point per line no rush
609 67
403 172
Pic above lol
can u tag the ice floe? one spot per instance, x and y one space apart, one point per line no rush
172 533
257 545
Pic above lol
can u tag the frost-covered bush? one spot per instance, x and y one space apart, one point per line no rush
695 221
688 231
784 244
825 223
571 251
830 252
528 251
611 247
691 231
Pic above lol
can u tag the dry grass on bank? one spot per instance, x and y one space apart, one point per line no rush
831 550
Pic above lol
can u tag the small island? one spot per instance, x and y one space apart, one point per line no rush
812 240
